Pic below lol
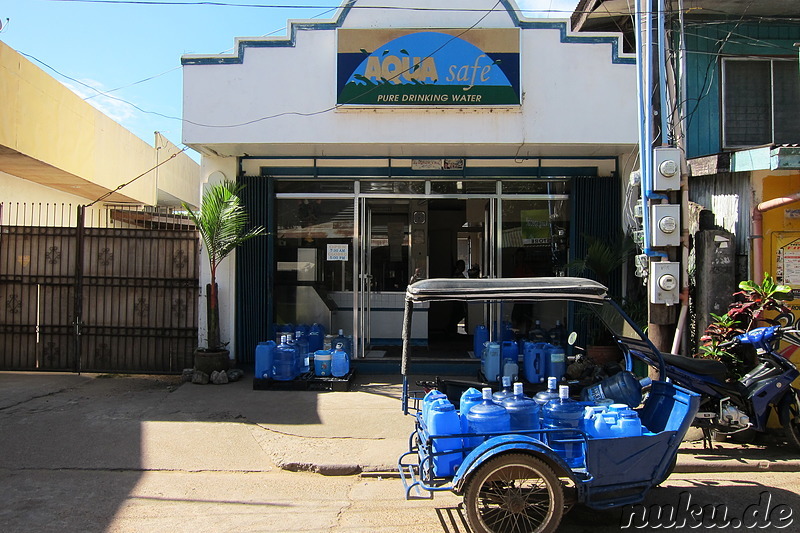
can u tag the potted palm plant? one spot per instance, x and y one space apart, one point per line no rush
221 222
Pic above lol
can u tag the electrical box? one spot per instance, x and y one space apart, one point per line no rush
664 282
665 225
666 169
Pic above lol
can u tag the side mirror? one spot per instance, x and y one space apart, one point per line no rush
573 336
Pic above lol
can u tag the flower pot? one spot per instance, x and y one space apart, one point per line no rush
208 361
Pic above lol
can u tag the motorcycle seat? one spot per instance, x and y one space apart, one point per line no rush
703 367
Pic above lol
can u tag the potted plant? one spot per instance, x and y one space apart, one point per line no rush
221 222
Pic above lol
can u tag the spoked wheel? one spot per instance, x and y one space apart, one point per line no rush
792 427
514 493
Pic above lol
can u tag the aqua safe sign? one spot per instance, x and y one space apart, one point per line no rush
478 67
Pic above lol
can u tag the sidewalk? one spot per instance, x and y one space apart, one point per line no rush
157 423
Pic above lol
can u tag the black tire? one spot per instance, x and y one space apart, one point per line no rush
792 427
514 493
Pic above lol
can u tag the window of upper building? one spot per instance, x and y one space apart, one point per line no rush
760 102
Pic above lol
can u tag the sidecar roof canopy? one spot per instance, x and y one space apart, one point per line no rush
508 289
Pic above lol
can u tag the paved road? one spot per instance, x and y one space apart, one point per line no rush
145 454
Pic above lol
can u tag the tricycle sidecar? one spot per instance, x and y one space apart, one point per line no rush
519 481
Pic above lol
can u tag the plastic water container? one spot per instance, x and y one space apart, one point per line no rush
486 417
622 387
537 333
443 420
505 392
284 366
629 424
523 411
322 363
316 337
532 363
490 363
427 400
265 356
558 361
558 335
479 338
301 344
469 398
344 341
565 413
546 395
340 362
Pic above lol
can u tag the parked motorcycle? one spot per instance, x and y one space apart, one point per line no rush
728 408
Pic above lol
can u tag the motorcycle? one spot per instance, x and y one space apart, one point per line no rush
734 407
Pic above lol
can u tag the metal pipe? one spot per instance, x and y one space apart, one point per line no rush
662 69
757 231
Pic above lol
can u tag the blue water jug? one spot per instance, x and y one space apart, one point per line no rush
340 362
480 337
541 351
510 359
284 366
301 345
486 417
427 400
443 420
505 392
490 363
344 341
532 363
265 357
629 424
322 363
469 398
523 411
557 335
316 338
537 333
565 413
558 361
622 387
551 393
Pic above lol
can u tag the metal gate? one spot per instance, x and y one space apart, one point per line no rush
106 289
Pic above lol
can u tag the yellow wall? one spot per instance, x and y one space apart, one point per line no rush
71 146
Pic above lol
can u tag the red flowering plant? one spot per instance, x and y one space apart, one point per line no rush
753 306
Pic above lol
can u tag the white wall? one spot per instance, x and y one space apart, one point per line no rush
572 95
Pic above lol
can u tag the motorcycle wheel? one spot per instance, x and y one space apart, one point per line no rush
514 493
792 427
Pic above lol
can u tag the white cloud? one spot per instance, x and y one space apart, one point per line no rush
560 9
117 110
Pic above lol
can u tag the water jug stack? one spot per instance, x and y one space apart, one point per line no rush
537 333
617 420
469 398
510 360
480 337
443 420
301 344
490 362
265 357
486 417
565 414
506 392
622 387
340 362
523 411
427 400
284 367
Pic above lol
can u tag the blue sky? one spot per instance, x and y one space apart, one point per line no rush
115 47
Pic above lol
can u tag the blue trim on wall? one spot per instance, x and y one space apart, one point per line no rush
294 27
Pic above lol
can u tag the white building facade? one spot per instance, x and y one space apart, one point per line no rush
391 142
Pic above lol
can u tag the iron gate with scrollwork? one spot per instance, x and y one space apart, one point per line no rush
104 290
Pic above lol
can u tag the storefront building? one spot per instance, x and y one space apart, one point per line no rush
392 142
